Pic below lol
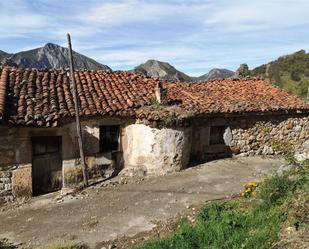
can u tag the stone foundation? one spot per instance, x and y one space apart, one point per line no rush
7 158
5 186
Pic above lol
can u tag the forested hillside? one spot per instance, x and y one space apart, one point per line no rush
290 72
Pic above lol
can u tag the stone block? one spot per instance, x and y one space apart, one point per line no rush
8 186
5 180
4 174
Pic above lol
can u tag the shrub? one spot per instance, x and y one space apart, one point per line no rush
274 190
295 76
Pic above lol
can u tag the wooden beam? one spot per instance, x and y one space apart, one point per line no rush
78 126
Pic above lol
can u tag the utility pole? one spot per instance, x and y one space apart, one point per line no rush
78 126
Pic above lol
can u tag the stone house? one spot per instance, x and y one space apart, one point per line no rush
134 124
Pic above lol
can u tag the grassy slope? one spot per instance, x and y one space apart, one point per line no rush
289 72
261 222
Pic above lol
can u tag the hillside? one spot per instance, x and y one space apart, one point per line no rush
290 72
50 56
3 55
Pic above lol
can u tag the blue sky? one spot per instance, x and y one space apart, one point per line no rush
192 35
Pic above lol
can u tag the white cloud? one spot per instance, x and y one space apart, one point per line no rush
258 15
129 11
193 35
135 57
17 20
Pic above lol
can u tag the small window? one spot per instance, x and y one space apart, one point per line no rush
216 134
45 145
109 138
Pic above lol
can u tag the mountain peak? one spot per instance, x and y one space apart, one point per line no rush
165 71
51 56
161 70
51 45
216 73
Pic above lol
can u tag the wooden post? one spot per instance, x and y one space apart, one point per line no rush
78 126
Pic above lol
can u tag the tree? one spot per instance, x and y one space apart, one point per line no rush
242 71
295 76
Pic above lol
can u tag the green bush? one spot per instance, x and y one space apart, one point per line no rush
274 190
295 76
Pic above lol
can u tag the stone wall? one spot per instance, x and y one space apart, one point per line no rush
270 135
7 155
155 151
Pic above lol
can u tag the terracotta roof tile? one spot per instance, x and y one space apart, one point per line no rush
42 97
234 96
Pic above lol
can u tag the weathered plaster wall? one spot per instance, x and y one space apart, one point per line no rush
155 151
100 165
16 156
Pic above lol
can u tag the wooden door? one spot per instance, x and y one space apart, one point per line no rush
46 164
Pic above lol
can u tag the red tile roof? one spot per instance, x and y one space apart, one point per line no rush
43 97
235 96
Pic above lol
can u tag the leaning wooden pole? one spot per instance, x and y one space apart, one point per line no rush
78 126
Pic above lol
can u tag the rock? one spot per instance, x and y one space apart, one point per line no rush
243 154
301 156
8 186
245 148
134 171
297 128
227 136
267 150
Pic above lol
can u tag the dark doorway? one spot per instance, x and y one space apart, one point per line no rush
109 138
46 164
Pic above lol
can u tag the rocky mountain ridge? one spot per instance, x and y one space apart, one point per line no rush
163 70
50 56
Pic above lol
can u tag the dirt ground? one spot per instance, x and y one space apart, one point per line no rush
123 206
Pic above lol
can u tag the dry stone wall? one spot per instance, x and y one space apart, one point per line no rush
270 136
7 155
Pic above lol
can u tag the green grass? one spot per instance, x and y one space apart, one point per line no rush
155 103
243 223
